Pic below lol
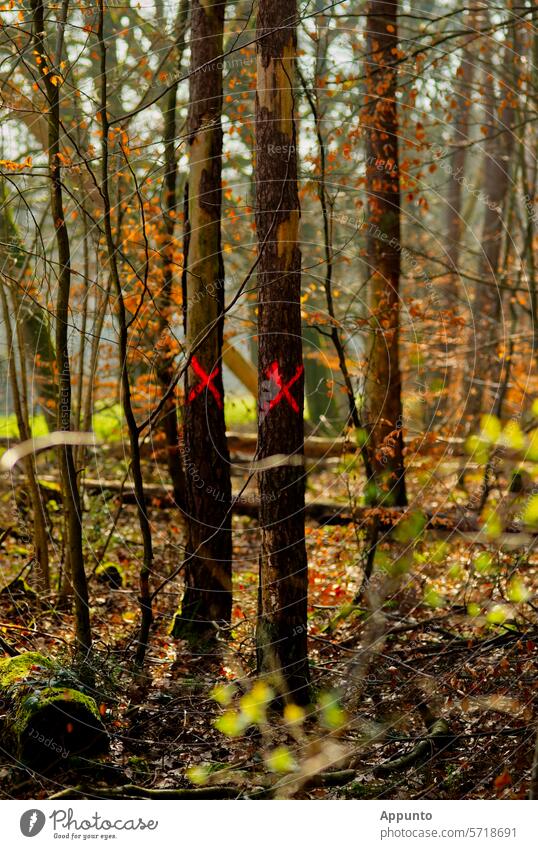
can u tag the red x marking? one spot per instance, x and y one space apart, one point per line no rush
206 380
274 374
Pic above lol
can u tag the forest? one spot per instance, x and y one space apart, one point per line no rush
269 388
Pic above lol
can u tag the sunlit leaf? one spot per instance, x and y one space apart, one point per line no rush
432 597
490 428
530 513
198 774
223 694
332 715
294 714
410 528
483 562
231 723
517 591
513 436
281 760
498 614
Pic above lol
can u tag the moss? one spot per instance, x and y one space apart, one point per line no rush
111 574
69 700
14 669
46 720
363 790
17 588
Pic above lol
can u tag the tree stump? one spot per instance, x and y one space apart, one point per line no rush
46 717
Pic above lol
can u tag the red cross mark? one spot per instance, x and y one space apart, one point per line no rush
206 380
273 373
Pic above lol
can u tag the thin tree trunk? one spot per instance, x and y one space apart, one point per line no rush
70 490
483 378
165 356
40 536
282 624
33 332
383 386
444 379
207 599
146 568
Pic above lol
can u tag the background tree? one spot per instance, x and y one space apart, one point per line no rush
207 576
70 490
281 631
383 392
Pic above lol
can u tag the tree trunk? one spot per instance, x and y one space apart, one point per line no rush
281 632
146 567
208 566
40 537
383 385
165 352
444 381
18 390
483 382
33 332
70 489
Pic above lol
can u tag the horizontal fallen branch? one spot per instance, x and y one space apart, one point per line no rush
132 791
334 778
325 512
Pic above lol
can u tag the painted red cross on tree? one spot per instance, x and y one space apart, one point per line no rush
273 373
206 381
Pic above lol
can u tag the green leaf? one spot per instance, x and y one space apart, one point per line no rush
223 694
231 723
532 445
493 527
281 760
361 436
198 774
294 714
498 614
513 436
490 428
517 591
332 715
478 449
530 513
432 597
439 552
410 528
483 562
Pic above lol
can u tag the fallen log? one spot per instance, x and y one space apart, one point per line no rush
46 717
324 512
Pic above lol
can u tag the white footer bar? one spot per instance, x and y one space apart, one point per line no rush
270 824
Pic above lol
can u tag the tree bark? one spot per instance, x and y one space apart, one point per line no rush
383 385
70 489
444 378
146 568
282 624
207 599
483 383
165 353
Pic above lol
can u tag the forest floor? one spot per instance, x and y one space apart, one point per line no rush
454 637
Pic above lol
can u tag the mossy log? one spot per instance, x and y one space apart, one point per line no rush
111 574
46 717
